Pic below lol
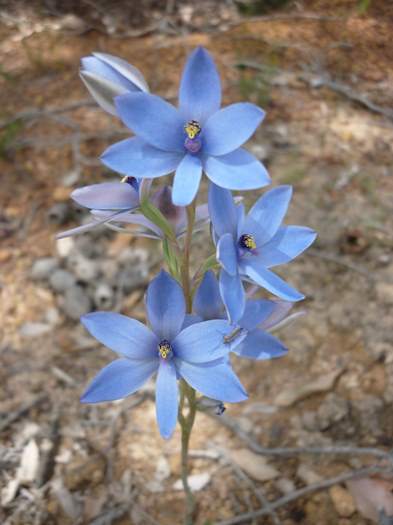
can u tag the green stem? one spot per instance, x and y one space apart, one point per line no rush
187 392
186 424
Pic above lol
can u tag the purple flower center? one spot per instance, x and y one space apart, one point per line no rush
165 349
247 242
192 143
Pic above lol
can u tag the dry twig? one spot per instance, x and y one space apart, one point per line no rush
296 494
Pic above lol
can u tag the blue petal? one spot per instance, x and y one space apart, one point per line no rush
255 312
202 342
157 122
279 313
118 380
191 319
227 253
265 217
260 345
222 209
217 381
134 157
269 280
98 67
106 196
167 401
126 70
186 181
200 88
121 334
288 243
229 128
233 295
238 170
207 300
165 306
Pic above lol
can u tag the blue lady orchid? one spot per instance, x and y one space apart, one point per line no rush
196 353
249 245
197 136
250 338
107 76
112 198
114 203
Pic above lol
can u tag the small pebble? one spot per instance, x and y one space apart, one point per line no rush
42 268
61 280
76 302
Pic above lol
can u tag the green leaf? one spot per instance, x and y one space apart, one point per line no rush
170 258
154 215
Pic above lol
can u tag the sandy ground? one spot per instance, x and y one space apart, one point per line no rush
323 72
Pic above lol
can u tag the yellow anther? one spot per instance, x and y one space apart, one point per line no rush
192 128
248 241
164 349
124 179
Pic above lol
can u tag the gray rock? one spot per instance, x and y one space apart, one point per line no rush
42 268
61 280
76 302
130 279
85 270
138 257
103 296
34 329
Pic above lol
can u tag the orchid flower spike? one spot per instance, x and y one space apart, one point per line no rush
197 136
107 77
249 245
196 353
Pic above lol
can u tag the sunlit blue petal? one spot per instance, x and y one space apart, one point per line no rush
152 119
121 334
227 253
99 68
270 281
166 398
222 209
202 342
136 158
207 300
186 181
126 70
165 306
287 243
200 89
268 213
118 380
233 295
217 381
229 128
238 170
260 345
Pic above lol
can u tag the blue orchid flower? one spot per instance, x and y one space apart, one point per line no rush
249 245
107 76
196 353
111 198
198 136
250 338
114 205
